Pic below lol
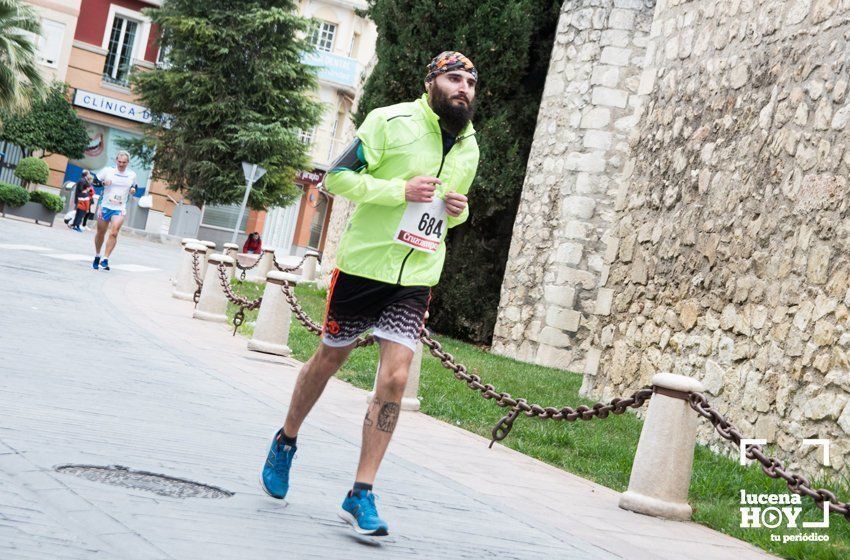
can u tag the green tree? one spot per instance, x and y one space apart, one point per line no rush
233 89
20 80
510 42
50 125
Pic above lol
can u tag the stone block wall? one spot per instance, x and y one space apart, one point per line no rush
554 292
733 260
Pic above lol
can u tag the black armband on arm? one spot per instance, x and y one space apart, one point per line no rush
351 159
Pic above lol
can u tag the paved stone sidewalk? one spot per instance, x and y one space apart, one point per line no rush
105 368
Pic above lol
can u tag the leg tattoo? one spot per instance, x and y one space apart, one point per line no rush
376 402
388 417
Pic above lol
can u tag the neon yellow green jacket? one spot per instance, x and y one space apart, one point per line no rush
398 143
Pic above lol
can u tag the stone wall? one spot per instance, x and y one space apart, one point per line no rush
734 231
553 294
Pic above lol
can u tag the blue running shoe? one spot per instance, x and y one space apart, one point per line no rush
96 263
275 476
104 264
359 510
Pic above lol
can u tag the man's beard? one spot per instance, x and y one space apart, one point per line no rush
452 117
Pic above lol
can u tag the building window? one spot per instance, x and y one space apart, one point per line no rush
162 58
224 216
354 47
322 36
50 42
306 136
122 39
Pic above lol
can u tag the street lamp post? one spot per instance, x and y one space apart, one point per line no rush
252 172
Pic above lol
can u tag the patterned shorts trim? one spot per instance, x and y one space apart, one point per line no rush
356 304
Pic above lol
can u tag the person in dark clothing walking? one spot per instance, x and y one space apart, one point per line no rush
83 193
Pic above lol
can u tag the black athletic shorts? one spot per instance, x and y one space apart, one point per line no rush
356 304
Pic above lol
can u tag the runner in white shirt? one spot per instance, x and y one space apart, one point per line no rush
118 186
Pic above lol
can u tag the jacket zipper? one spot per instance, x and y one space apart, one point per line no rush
442 162
398 282
407 256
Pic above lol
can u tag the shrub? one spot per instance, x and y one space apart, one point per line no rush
32 170
12 195
49 200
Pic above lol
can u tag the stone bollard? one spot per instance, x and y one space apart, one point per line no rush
185 283
213 303
183 242
230 249
410 398
661 472
271 332
308 269
265 265
210 252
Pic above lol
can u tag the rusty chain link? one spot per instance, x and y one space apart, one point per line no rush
199 282
772 467
245 269
502 429
297 266
244 303
488 391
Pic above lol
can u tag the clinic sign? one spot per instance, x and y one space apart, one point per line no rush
111 106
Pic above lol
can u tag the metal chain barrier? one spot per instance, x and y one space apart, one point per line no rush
199 282
772 467
297 266
503 428
244 303
245 269
502 399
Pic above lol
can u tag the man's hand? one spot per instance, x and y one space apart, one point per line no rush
132 190
107 183
421 189
455 204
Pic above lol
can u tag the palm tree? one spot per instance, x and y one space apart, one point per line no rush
19 75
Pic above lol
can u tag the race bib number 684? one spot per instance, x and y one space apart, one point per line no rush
423 225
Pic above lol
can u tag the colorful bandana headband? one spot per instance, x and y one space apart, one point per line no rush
448 61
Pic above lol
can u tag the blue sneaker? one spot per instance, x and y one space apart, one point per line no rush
96 263
104 264
275 475
359 510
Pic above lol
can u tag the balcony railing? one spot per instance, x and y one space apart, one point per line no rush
125 82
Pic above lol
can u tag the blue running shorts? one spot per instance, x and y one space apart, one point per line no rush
106 214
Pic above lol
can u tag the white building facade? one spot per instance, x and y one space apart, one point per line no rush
344 46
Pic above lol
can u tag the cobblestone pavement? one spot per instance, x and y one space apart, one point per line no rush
105 368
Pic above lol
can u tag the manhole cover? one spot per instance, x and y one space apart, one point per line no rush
161 484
